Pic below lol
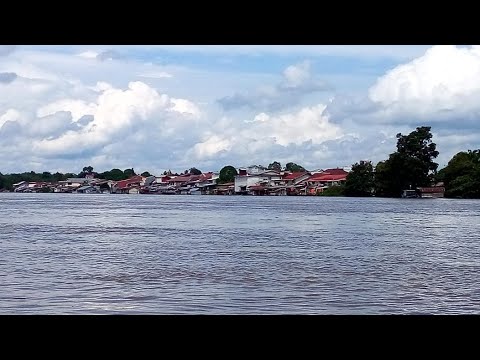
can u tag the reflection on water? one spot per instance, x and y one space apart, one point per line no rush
107 254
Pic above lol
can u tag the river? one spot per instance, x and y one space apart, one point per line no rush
173 254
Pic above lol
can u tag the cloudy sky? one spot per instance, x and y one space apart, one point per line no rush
173 107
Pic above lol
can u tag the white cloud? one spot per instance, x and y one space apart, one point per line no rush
76 128
262 117
296 83
9 115
296 75
445 78
185 106
308 124
63 110
211 147
89 54
287 137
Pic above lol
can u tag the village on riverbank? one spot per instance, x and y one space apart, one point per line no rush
409 172
252 180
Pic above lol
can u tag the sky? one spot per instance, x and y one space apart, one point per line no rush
157 107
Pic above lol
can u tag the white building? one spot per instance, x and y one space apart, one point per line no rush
267 178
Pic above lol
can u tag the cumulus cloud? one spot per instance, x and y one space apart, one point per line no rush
184 106
89 54
114 114
445 78
287 137
212 146
297 81
61 112
10 115
71 128
440 89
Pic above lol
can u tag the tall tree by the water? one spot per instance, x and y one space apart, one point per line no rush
410 166
360 180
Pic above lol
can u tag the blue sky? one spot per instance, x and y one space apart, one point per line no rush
173 107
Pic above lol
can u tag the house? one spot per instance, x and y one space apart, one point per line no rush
267 179
124 186
255 169
163 179
295 178
87 189
329 177
225 189
20 186
72 184
295 182
431 192
149 180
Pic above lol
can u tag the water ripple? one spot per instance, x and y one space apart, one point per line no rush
106 254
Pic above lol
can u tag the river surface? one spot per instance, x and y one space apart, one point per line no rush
173 254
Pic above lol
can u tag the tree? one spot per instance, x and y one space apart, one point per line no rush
334 190
360 180
116 175
146 174
294 167
185 172
461 176
129 173
275 166
410 166
227 174
58 176
87 169
195 171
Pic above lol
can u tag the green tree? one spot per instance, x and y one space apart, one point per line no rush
334 190
146 174
227 174
129 173
294 167
47 176
195 171
360 180
461 176
275 166
69 175
58 176
87 169
410 166
114 174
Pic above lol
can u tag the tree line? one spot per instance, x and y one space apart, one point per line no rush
412 166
